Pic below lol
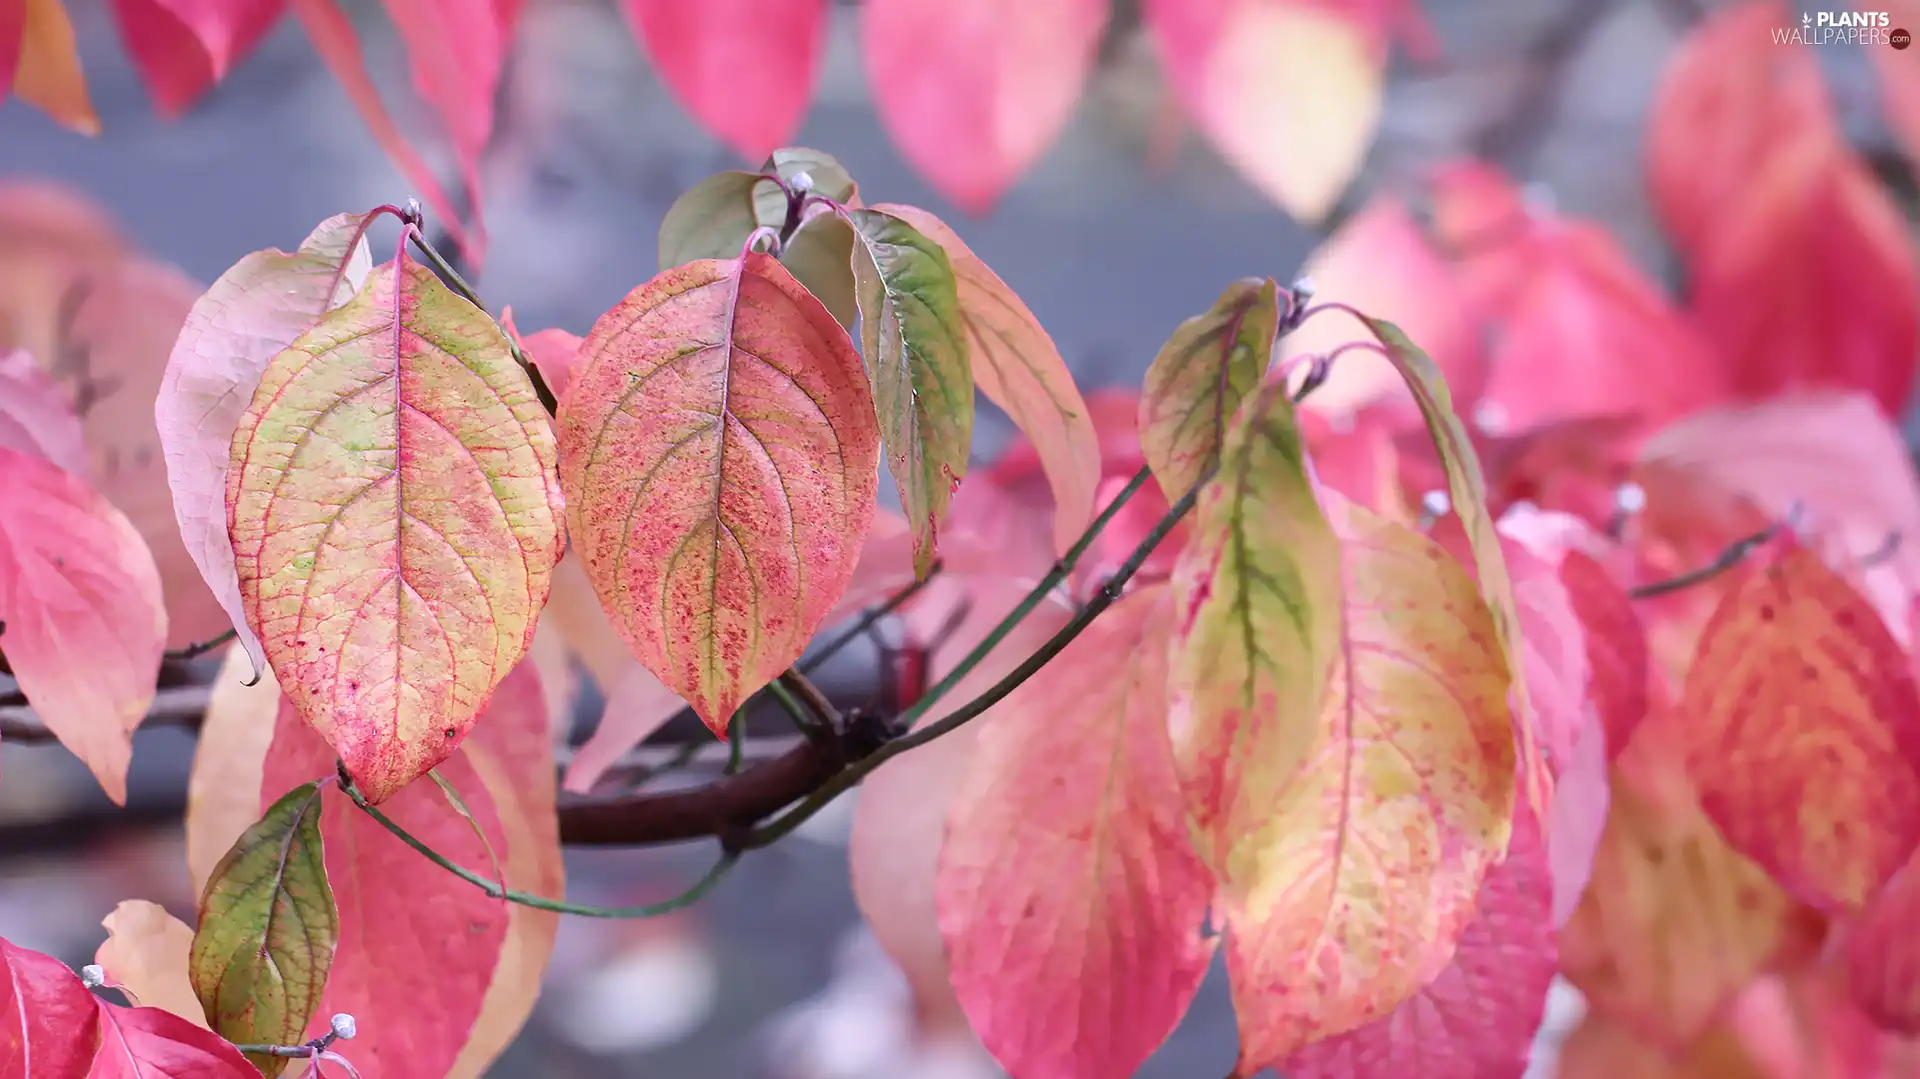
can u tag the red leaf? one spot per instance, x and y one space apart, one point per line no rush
974 93
1809 283
1067 888
1478 1018
46 1017
339 47
84 620
184 47
555 353
1800 726
36 417
1879 955
457 49
1616 647
147 1043
745 69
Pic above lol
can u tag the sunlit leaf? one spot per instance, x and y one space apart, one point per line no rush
1016 364
745 69
395 522
268 929
917 352
1067 886
719 453
973 94
82 621
36 418
254 310
1257 624
1382 827
1199 378
1801 730
146 954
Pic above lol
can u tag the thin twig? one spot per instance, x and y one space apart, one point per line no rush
1735 553
865 622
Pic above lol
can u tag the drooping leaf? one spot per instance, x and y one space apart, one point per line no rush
251 313
973 94
637 705
82 621
184 47
46 1017
745 69
1467 488
395 522
48 74
918 354
1675 922
1016 364
1199 378
1382 828
1288 93
900 820
585 626
1801 731
268 929
721 408
457 49
146 953
36 418
334 39
1256 596
1077 898
1477 1020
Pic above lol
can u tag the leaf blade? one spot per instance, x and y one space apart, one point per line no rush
1196 382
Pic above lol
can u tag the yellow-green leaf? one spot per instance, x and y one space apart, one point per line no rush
719 452
395 519
268 928
916 352
1199 378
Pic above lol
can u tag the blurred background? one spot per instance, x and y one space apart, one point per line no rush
1128 225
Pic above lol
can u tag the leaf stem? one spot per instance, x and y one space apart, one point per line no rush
692 895
201 648
867 620
1735 553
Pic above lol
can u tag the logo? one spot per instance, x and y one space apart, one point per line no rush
1842 28
1900 39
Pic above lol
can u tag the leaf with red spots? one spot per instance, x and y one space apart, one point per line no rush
745 69
1477 1020
1199 377
36 417
1067 886
1396 799
973 94
256 309
719 453
1675 922
82 622
184 47
395 522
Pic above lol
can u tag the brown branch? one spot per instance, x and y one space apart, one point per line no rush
1516 130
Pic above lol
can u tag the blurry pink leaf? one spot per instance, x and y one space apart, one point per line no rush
637 706
184 47
745 69
553 352
82 620
36 418
251 313
457 49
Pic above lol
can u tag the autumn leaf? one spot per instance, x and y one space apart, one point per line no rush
720 405
637 705
1289 93
45 72
182 48
1616 647
1878 957
1478 1018
1066 885
555 353
1383 824
1016 364
36 418
251 313
1200 376
1802 732
268 929
1675 922
396 462
334 39
82 620
1467 489
974 94
1257 625
745 69
917 353
457 49
145 954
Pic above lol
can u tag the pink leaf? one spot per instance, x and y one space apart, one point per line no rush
147 1043
637 706
46 1017
84 620
184 47
251 313
974 93
745 69
36 417
1478 1018
457 49
553 352
1068 892
1617 652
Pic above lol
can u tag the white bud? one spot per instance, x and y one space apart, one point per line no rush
1630 498
1435 504
1490 417
343 1027
801 182
93 976
1302 291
